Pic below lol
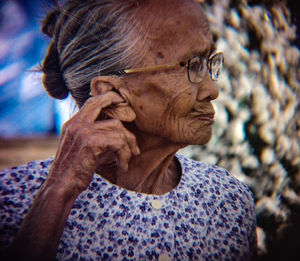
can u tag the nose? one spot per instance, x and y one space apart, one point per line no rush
207 90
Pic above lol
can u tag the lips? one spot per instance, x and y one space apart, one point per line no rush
206 117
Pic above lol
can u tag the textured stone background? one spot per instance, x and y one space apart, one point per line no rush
257 115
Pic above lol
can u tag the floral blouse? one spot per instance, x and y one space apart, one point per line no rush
208 216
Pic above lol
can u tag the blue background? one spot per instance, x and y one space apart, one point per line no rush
25 107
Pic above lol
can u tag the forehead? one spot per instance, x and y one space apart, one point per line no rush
177 29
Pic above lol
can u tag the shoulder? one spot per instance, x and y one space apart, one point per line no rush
17 183
225 198
18 187
218 186
25 175
214 176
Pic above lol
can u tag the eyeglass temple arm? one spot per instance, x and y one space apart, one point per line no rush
154 68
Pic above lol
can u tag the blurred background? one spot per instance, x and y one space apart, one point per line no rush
257 125
29 120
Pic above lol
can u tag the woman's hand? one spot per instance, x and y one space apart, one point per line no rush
84 145
85 142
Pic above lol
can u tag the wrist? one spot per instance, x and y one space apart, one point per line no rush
61 191
68 180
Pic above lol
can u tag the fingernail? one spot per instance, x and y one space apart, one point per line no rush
138 150
126 167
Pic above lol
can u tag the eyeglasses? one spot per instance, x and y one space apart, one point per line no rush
197 67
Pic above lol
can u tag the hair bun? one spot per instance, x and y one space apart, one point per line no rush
49 22
53 78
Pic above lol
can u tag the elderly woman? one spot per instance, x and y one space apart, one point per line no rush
142 74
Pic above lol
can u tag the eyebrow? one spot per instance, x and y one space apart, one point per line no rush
208 51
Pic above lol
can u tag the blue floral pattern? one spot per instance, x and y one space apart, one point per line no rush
208 216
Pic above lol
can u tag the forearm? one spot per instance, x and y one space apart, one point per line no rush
83 142
42 227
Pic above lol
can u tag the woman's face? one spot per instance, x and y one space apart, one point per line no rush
166 103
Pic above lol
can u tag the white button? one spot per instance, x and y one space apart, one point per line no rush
156 204
164 257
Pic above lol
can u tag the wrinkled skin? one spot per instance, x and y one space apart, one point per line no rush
131 128
84 141
165 102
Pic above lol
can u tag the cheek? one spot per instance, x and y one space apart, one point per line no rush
162 105
149 104
182 101
151 100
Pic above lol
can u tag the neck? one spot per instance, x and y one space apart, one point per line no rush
154 171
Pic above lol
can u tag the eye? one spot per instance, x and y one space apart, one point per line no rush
196 64
216 65
197 69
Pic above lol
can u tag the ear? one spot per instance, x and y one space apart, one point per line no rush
103 84
122 111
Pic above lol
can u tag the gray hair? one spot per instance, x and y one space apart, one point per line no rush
89 38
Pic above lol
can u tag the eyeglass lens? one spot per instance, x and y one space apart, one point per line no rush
216 65
197 67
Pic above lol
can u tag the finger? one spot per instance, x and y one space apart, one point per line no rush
121 112
107 140
132 143
94 105
112 125
114 142
123 156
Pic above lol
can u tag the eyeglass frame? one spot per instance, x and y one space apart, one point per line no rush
178 64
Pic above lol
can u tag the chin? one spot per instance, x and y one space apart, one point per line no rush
200 138
189 136
192 140
202 141
198 141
